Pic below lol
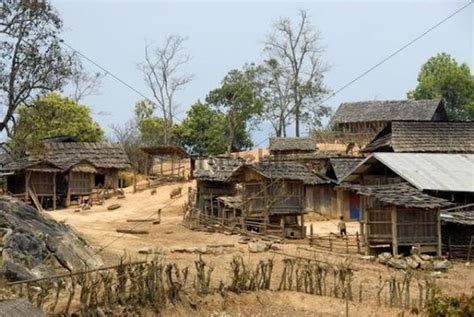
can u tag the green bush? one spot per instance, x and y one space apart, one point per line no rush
462 306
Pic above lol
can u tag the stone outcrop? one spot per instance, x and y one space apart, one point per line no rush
34 245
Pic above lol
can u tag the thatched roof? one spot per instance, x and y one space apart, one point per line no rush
341 167
172 150
65 155
297 144
219 169
459 217
425 136
386 111
286 171
402 195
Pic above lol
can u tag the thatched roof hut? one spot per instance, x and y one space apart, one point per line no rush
372 116
424 136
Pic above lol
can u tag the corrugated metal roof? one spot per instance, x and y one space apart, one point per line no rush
432 171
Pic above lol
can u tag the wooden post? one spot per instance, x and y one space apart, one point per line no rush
68 195
438 218
172 165
282 225
161 165
134 181
212 205
394 231
347 245
449 248
330 243
303 231
470 248
179 166
358 242
159 215
311 232
54 191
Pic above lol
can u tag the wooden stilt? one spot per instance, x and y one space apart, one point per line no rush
54 191
438 229
394 231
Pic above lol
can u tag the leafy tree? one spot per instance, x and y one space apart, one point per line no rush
32 61
238 102
297 51
53 115
152 129
203 131
442 77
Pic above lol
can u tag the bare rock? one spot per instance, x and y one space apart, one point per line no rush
36 244
400 264
384 257
440 265
257 247
412 263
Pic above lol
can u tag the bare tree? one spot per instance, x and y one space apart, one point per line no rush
275 92
84 83
162 70
31 59
128 136
297 49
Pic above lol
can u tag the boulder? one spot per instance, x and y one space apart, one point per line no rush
256 247
440 265
400 264
384 257
36 246
412 263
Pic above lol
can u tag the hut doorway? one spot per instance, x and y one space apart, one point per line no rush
99 180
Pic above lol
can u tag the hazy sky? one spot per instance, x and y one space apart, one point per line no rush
225 35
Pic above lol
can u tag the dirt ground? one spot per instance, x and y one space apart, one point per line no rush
98 226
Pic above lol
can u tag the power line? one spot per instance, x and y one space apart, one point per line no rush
399 50
105 70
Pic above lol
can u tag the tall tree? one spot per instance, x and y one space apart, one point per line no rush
442 77
163 74
297 49
32 61
53 115
237 99
275 92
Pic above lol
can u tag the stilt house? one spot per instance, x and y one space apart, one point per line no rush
213 180
399 217
437 179
63 170
274 195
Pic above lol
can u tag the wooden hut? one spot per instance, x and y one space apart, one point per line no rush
214 180
442 175
273 196
399 216
330 201
457 228
370 117
165 161
424 137
62 170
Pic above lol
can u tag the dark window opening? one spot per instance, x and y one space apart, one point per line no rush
99 180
